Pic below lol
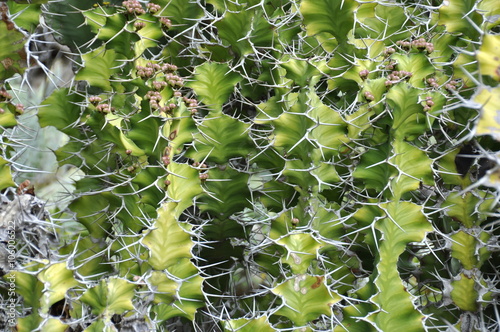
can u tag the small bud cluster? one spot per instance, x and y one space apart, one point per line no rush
154 98
2 111
105 108
397 76
168 68
391 65
138 25
168 108
369 96
452 85
200 165
174 80
4 95
203 170
428 103
166 22
94 100
420 44
432 82
133 7
153 8
191 103
364 73
133 168
19 108
148 71
388 51
159 85
404 44
166 160
152 68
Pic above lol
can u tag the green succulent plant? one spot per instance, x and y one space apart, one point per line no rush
280 165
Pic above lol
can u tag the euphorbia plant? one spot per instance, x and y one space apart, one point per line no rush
280 165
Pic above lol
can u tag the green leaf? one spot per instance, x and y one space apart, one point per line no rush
28 286
182 13
302 249
11 50
491 13
331 16
221 138
409 117
233 27
55 325
386 22
418 64
462 208
99 65
90 211
489 61
5 175
463 248
305 298
373 168
464 293
213 83
98 326
109 297
459 16
61 110
165 288
29 323
225 192
489 120
8 116
331 131
26 16
66 17
57 280
290 127
300 71
243 324
190 299
447 169
185 184
414 168
404 223
169 244
89 258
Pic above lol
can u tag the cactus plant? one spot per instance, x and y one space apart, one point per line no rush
275 165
